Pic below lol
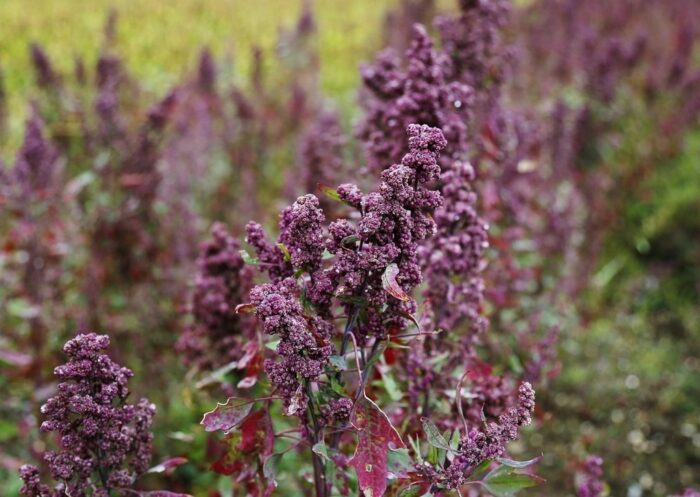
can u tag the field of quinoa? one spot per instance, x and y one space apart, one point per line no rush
400 248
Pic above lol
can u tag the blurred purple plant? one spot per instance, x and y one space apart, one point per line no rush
218 335
590 482
105 441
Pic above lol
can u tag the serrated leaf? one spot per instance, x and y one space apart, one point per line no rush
376 435
225 417
391 286
434 436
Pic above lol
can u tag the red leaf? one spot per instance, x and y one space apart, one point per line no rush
376 436
253 430
226 416
390 284
229 463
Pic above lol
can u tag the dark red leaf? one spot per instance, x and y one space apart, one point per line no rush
376 435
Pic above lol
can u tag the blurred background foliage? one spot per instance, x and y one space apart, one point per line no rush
160 41
629 387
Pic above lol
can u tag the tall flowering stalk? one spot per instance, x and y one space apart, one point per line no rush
359 270
35 242
105 441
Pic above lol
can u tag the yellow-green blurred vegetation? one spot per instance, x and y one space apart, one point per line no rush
160 39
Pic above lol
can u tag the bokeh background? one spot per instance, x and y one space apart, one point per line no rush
625 382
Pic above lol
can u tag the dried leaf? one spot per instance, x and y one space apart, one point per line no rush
390 284
245 308
295 403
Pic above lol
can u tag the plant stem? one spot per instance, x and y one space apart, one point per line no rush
318 464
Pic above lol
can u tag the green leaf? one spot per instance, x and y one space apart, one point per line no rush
372 360
391 387
270 468
434 436
338 362
435 455
505 481
217 376
331 193
248 259
22 308
285 251
321 449
8 430
415 445
399 463
412 491
481 469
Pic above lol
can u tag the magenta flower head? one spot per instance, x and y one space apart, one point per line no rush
105 441
490 443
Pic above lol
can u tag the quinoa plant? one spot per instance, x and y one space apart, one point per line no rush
335 382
